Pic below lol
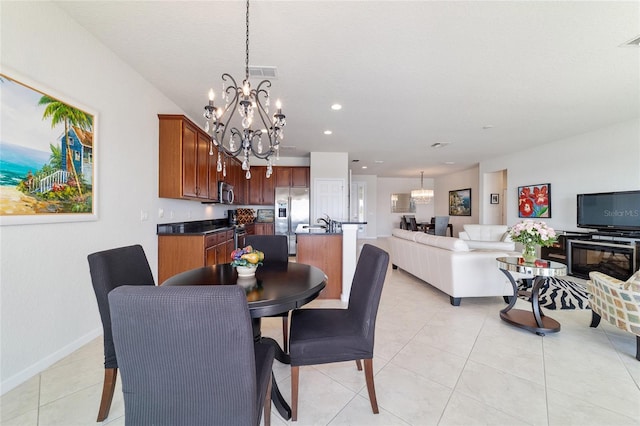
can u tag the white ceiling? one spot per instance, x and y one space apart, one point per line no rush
408 74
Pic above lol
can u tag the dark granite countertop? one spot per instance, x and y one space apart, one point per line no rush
199 227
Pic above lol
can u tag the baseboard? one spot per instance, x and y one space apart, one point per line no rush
24 375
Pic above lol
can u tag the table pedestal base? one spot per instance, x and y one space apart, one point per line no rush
526 320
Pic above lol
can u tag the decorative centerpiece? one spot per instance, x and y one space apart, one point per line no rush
246 260
532 234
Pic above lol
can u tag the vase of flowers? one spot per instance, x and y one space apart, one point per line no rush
246 260
531 234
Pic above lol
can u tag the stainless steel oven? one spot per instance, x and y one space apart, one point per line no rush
239 234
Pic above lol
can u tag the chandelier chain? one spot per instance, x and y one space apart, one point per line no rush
246 59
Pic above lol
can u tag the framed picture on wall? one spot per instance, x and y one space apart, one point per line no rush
495 199
48 169
534 200
460 202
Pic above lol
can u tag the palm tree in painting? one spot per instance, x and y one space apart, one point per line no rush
55 159
61 112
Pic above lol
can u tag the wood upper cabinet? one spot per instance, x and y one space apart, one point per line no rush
260 189
213 175
292 176
300 177
184 161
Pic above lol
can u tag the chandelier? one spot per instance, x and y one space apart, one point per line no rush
235 142
422 196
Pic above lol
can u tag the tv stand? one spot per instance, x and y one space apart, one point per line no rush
615 254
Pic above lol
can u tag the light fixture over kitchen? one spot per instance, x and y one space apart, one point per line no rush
422 196
244 142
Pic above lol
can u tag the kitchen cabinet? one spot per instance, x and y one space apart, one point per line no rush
292 176
264 228
325 252
179 253
184 161
260 189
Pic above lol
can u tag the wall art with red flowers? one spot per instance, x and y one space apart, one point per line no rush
534 200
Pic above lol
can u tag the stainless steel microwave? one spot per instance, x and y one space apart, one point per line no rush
225 193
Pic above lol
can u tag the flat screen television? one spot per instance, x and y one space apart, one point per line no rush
610 211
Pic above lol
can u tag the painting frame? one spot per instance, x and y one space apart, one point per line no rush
39 197
495 199
460 202
534 201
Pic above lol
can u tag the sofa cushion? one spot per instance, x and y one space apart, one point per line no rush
486 232
404 234
447 243
490 245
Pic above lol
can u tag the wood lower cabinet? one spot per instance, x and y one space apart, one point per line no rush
324 252
264 228
179 253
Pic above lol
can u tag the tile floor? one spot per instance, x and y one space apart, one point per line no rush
435 364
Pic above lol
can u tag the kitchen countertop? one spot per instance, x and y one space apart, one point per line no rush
199 227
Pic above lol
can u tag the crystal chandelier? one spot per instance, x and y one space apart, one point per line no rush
246 141
422 196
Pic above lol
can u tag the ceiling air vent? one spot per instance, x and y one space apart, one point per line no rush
270 73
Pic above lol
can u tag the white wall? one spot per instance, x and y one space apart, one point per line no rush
48 307
607 159
387 186
454 181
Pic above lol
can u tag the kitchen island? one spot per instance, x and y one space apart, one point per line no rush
333 252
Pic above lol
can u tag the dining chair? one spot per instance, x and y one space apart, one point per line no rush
187 356
440 226
320 336
110 269
413 225
275 249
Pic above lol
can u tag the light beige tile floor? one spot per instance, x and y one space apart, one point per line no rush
434 364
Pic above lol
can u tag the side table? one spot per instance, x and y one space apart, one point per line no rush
534 321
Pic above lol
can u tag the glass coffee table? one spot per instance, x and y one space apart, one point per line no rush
534 321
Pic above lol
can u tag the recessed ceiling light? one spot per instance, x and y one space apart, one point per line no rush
328 132
379 161
336 107
364 167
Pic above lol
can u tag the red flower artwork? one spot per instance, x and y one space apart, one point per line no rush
534 201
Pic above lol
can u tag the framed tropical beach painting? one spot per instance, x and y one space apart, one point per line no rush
534 200
460 202
47 157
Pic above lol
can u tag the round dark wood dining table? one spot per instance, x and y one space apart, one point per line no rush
277 287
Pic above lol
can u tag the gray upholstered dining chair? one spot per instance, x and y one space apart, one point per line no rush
275 249
320 336
187 356
440 226
110 269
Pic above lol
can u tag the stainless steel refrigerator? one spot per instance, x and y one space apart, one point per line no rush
292 209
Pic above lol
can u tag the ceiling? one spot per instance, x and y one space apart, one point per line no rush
483 78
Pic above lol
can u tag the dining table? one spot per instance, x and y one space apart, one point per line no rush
276 287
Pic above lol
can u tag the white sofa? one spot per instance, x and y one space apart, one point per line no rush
450 265
493 237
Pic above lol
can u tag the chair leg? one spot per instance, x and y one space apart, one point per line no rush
595 319
359 365
285 333
368 374
267 403
108 388
295 376
638 348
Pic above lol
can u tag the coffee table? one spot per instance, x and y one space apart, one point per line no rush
534 321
